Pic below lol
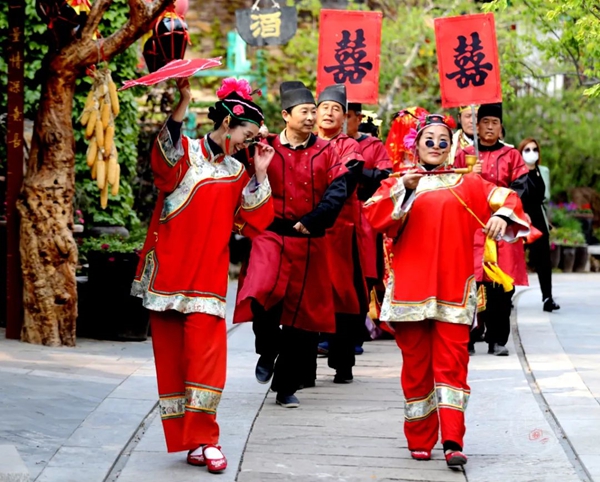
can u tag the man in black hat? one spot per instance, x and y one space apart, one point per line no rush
287 281
503 166
345 240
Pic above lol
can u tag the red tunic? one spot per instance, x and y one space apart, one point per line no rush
501 167
432 252
185 260
344 239
285 266
376 157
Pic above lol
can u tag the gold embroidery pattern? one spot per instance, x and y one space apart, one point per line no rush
171 405
202 398
431 308
184 302
452 397
440 181
201 172
419 409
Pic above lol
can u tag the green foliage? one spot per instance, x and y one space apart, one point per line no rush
566 129
112 243
124 66
567 237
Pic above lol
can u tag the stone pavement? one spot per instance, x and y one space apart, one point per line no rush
87 414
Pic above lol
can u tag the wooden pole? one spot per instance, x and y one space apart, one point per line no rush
475 138
14 178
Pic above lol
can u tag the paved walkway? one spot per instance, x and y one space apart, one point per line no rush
87 414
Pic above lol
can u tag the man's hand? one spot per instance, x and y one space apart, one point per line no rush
300 228
495 228
478 167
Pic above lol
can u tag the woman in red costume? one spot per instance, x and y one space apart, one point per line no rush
183 273
432 220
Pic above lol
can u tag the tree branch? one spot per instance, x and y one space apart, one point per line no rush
99 8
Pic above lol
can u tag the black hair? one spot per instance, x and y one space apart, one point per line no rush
369 127
218 113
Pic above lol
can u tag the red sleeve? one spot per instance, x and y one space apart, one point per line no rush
335 166
255 210
380 156
169 162
386 210
517 165
459 159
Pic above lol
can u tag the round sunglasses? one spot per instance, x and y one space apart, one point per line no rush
431 143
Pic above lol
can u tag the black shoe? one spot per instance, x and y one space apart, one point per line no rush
343 376
287 401
471 350
498 350
309 384
550 305
264 369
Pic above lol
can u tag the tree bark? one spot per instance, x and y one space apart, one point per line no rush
48 249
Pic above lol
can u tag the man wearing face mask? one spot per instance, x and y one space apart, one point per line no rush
463 137
503 166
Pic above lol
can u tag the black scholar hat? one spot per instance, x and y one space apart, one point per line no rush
294 93
355 107
334 93
489 110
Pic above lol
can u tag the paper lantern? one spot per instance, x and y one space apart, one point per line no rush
168 41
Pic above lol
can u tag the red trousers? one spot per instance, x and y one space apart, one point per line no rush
434 381
190 352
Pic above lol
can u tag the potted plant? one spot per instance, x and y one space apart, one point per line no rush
569 239
107 310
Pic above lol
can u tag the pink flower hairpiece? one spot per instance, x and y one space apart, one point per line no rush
240 87
410 139
238 109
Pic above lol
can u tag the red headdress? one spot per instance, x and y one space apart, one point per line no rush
402 124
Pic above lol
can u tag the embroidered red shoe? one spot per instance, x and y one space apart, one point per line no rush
197 459
214 458
455 458
421 454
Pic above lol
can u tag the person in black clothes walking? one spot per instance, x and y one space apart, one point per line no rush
538 181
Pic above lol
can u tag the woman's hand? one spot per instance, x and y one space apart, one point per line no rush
495 228
300 228
185 91
411 179
263 156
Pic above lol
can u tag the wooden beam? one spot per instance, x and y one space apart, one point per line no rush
16 93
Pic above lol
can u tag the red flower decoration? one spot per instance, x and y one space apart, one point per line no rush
105 246
240 87
238 109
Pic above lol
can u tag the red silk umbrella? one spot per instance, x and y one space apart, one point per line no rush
175 69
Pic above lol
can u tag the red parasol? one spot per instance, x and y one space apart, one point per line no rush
174 70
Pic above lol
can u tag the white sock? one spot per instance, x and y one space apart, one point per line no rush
212 453
198 451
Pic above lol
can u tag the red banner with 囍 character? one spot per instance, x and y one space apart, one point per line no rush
468 60
349 49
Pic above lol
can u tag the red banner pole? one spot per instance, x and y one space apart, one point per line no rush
14 178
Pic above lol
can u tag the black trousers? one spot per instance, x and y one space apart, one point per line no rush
348 332
496 316
539 258
294 350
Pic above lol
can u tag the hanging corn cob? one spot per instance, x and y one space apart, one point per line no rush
98 118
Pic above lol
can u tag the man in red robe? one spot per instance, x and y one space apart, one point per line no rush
503 166
464 136
345 239
287 280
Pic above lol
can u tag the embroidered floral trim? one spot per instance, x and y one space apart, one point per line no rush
253 200
418 409
171 405
440 181
202 171
452 397
170 153
202 398
187 302
431 308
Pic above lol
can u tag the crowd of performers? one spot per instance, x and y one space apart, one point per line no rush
339 223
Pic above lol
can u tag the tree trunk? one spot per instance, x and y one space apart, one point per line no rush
48 249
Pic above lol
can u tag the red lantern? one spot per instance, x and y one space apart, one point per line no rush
167 42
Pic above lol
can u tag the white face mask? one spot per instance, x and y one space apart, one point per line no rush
530 157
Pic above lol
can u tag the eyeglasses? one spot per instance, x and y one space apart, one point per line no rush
530 149
431 143
251 141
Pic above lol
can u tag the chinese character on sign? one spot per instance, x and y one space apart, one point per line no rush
15 33
16 115
266 24
16 141
469 59
349 57
15 60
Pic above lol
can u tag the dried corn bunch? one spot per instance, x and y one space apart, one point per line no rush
98 118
